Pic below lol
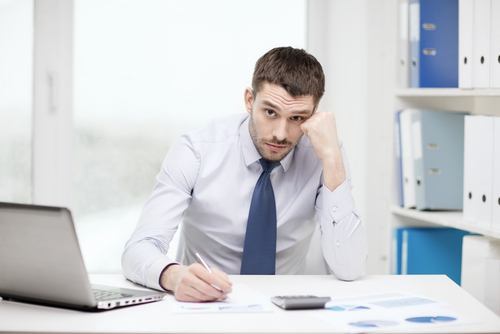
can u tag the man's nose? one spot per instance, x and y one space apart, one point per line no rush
281 130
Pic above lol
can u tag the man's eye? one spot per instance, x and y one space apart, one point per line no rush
270 113
297 118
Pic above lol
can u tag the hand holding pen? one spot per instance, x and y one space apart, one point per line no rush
197 282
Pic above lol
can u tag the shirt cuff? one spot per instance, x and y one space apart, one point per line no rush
155 270
337 204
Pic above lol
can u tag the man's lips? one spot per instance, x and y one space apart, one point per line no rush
276 147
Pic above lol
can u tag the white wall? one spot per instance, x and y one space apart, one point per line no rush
355 43
338 38
382 77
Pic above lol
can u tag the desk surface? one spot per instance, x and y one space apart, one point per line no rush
158 318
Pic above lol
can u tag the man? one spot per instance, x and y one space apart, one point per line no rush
250 189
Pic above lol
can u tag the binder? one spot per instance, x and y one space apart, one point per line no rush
429 251
481 44
492 300
438 158
398 165
477 252
496 177
438 49
414 36
465 26
495 44
408 167
404 66
478 170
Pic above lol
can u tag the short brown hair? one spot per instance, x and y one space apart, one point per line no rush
298 72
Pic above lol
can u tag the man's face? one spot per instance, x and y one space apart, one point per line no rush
275 119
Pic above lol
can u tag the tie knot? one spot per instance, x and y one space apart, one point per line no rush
267 165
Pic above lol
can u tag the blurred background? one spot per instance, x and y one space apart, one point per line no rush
93 93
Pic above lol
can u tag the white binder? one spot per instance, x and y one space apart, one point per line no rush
477 254
496 177
492 299
465 31
414 42
409 182
404 46
495 44
478 170
481 44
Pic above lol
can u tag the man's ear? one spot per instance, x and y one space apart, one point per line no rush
249 99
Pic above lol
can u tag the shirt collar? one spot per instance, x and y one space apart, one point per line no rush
250 153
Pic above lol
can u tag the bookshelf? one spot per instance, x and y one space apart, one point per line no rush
384 97
475 101
440 218
478 254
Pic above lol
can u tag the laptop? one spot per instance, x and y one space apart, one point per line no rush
41 262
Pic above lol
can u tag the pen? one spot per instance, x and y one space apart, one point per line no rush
200 259
203 262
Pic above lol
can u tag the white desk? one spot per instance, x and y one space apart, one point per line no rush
158 318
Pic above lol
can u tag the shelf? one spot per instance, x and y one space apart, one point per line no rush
447 92
444 218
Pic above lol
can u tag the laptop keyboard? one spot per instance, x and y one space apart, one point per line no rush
108 295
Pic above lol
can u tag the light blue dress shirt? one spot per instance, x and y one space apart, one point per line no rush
206 183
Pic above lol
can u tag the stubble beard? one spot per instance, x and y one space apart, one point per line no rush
260 144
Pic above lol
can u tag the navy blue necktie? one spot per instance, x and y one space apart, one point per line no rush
259 251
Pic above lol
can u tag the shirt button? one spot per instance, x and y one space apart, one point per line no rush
334 209
337 244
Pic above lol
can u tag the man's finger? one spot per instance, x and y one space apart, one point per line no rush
197 296
223 274
215 279
220 275
205 287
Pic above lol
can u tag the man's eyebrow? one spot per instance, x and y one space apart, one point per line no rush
301 112
269 104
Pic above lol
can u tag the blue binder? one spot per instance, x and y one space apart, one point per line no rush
438 159
429 251
434 45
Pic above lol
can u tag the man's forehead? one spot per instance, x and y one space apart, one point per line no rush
296 108
277 97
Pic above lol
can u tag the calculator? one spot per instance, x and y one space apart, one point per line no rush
300 302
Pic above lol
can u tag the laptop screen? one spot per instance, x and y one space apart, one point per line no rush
40 256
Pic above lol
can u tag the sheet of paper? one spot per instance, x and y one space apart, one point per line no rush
241 300
387 312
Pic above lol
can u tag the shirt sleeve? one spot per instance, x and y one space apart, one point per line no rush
145 253
343 234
